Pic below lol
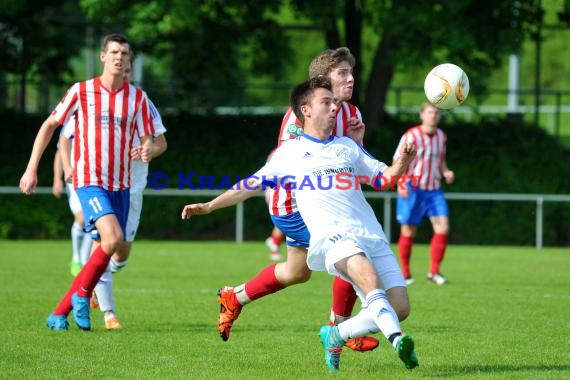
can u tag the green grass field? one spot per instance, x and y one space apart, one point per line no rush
504 315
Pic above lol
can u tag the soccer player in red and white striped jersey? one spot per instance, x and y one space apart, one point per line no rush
109 112
338 66
423 196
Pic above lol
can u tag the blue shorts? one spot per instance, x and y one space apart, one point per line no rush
97 202
420 204
294 228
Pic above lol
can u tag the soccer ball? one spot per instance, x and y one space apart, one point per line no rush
446 86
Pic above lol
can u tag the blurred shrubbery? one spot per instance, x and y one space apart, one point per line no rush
492 157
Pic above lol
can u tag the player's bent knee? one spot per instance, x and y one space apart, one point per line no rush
111 242
402 311
293 276
302 277
398 298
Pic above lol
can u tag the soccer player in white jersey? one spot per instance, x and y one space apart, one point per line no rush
109 112
103 297
81 241
422 197
337 65
346 239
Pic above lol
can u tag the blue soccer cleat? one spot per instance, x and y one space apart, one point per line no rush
57 322
332 352
81 311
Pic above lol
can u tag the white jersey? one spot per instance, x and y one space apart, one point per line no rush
282 201
139 169
328 197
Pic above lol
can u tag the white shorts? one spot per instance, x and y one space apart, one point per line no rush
135 209
73 199
376 249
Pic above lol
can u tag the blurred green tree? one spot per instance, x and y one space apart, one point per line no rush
212 46
37 39
475 34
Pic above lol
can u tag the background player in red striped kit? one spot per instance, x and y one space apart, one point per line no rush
423 196
109 112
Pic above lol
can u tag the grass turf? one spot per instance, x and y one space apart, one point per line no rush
503 315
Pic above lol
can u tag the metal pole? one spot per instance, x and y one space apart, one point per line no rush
387 218
138 69
558 111
239 223
538 238
538 38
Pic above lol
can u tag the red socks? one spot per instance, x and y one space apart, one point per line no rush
343 297
437 251
263 284
405 250
277 239
85 281
64 306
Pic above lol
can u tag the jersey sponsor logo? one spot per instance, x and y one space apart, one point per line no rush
294 129
342 153
105 120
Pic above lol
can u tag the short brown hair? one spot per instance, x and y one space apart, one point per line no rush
427 104
115 37
303 92
324 63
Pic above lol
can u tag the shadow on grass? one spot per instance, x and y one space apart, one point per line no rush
245 327
505 368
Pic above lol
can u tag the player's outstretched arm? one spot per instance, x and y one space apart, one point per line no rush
58 186
241 191
29 179
407 154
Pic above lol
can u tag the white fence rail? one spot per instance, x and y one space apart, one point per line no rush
538 199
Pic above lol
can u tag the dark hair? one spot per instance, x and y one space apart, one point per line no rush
113 38
303 92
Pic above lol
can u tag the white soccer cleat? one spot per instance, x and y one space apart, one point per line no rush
437 279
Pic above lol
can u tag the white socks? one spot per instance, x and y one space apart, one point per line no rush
104 292
76 240
377 315
241 295
359 325
116 266
81 243
104 288
382 313
85 251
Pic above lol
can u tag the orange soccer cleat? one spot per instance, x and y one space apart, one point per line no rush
93 301
229 311
113 324
362 344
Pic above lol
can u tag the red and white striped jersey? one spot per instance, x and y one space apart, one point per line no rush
281 201
427 167
104 129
